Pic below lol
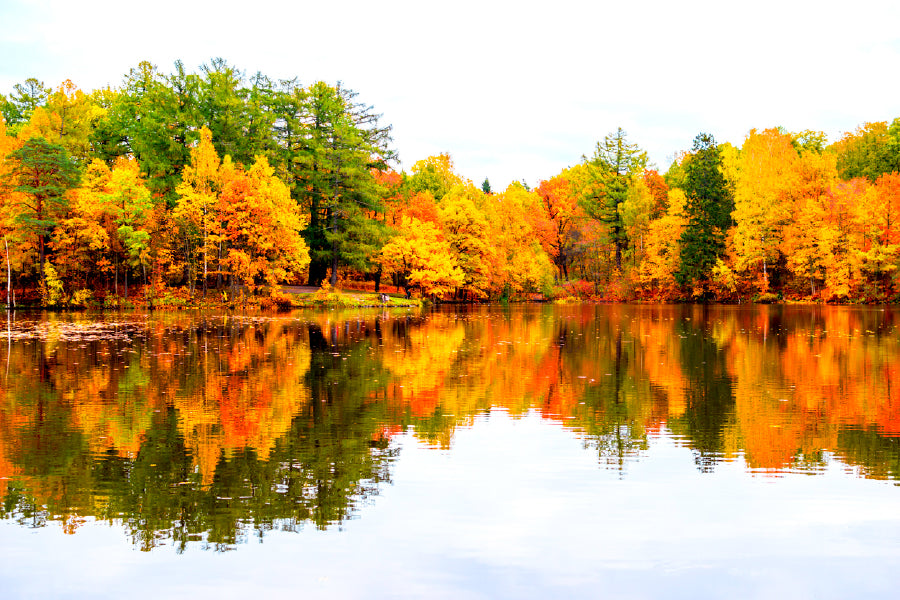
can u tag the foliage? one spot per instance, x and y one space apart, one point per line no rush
82 298
52 288
335 181
40 174
437 176
422 259
707 212
870 151
204 179
615 168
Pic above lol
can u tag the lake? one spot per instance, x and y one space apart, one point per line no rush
530 451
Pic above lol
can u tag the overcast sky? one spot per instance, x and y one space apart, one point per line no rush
512 90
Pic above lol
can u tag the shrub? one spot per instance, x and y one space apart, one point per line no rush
277 300
52 287
82 298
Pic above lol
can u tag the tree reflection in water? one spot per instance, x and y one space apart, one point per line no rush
210 429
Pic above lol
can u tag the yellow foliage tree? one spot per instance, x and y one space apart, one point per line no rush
422 259
803 242
521 264
197 194
878 251
662 250
7 209
67 119
435 174
260 225
469 234
766 177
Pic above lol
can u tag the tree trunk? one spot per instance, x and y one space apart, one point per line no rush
41 263
204 260
334 267
10 300
334 254
219 270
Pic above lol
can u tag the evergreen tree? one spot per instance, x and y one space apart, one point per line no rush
26 98
108 139
343 144
872 150
260 100
156 116
611 171
286 106
708 211
237 116
42 173
8 111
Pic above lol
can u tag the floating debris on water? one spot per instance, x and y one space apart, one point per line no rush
74 332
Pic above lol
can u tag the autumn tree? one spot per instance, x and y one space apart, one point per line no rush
243 222
563 214
804 234
106 228
83 241
436 175
520 263
260 227
634 214
197 196
420 258
468 232
66 119
878 250
132 202
658 271
659 192
836 238
768 175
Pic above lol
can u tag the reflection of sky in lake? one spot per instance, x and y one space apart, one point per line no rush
519 508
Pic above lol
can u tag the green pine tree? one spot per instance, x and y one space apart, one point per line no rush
342 144
42 172
611 170
708 210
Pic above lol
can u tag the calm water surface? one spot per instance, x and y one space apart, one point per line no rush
535 451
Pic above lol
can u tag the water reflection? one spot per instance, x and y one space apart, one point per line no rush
212 428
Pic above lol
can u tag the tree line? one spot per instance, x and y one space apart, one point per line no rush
215 179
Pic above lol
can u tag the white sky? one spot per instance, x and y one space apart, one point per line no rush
511 90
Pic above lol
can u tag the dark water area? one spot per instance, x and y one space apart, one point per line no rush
483 452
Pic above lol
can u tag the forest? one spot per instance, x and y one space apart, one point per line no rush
216 184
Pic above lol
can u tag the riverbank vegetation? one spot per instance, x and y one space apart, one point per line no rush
215 185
